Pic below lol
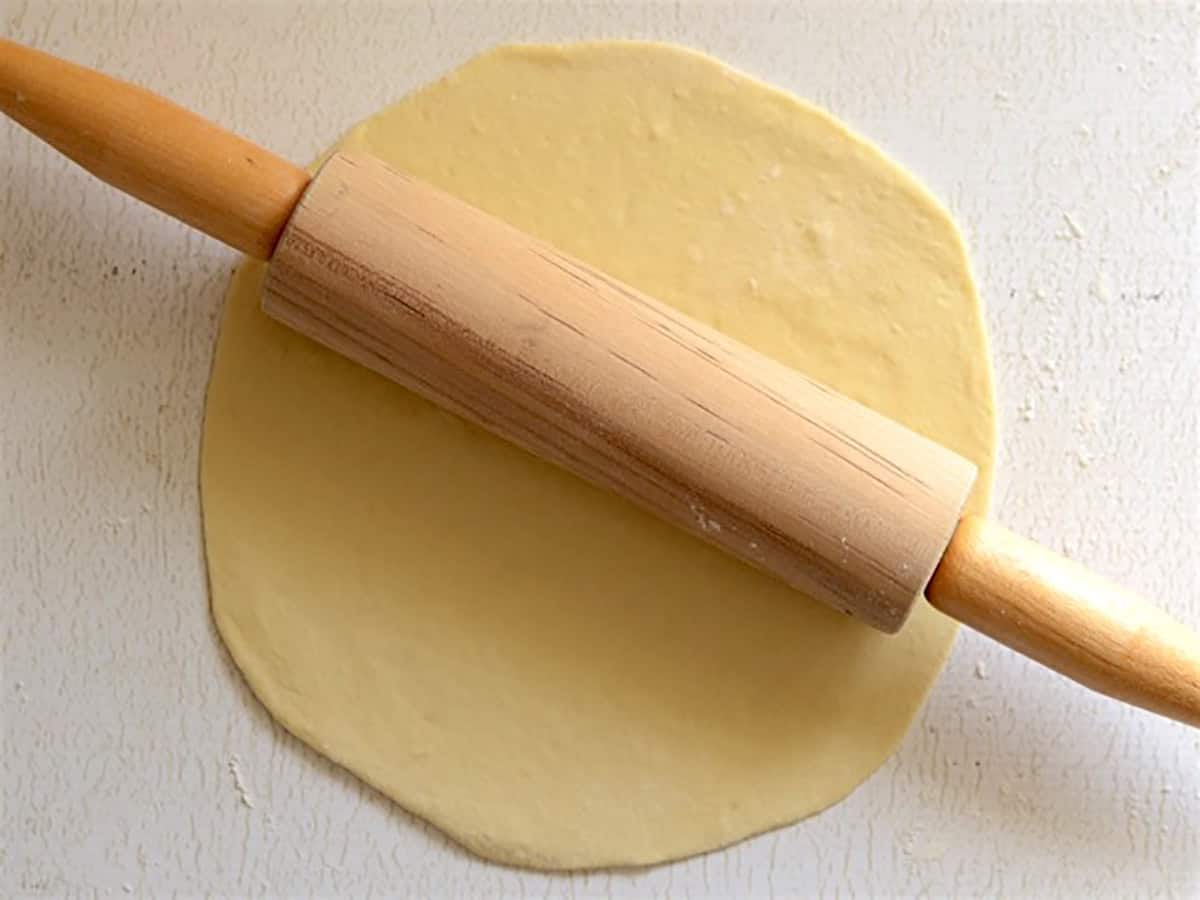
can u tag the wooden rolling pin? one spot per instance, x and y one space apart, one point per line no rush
504 330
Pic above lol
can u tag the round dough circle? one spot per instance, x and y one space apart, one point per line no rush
543 671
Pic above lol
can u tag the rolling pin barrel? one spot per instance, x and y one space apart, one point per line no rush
543 350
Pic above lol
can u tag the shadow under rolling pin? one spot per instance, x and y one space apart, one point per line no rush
821 492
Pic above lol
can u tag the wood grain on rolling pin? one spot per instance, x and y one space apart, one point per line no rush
514 336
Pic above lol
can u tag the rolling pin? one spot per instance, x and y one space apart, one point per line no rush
837 501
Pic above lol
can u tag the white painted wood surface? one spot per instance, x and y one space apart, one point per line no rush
134 760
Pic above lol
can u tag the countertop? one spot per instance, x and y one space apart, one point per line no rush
1063 138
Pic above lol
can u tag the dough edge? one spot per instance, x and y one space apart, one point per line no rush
268 693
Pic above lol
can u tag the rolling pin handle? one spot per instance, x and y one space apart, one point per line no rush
1061 615
227 187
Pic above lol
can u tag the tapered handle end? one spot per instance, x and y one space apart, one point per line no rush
184 165
1056 612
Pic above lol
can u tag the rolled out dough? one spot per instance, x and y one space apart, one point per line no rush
544 672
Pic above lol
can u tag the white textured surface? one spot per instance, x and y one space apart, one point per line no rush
134 759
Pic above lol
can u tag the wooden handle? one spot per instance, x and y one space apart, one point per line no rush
1056 612
172 159
584 371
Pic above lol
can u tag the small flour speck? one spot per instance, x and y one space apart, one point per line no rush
1074 229
239 782
707 524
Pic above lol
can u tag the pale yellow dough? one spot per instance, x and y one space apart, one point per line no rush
547 674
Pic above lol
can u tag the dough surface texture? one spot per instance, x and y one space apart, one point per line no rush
547 674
